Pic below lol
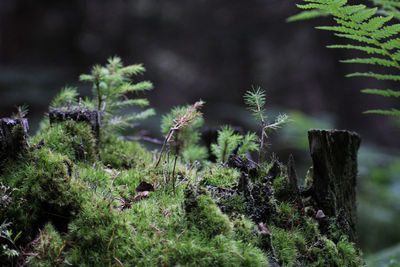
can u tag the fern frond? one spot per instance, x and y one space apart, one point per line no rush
361 39
366 49
372 61
363 14
392 112
385 77
376 23
387 31
307 14
382 92
391 44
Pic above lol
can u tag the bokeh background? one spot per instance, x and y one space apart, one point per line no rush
213 50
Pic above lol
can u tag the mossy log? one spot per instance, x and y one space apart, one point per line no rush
334 156
13 137
93 117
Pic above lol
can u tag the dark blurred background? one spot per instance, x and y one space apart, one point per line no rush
213 50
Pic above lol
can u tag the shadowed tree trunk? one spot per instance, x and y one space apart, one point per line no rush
334 156
13 137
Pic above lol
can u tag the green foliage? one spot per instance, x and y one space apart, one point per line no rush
48 247
202 212
227 142
75 140
78 207
22 111
255 101
369 30
112 84
111 93
117 153
248 144
8 248
186 139
67 97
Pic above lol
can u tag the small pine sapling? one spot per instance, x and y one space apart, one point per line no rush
249 143
177 127
22 111
66 98
228 142
255 101
112 84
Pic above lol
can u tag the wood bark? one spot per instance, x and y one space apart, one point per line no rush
13 137
93 117
334 156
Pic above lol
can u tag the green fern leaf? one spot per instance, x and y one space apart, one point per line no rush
363 14
367 49
392 112
308 14
361 39
382 92
391 44
375 23
387 31
371 61
386 77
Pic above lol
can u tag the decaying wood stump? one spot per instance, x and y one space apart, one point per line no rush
93 117
13 137
334 156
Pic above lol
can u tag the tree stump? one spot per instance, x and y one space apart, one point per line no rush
13 137
93 117
334 156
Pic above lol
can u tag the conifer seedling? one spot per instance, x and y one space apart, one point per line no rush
173 138
255 101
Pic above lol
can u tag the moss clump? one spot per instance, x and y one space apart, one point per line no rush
204 214
281 188
246 231
72 139
221 176
120 154
48 248
42 190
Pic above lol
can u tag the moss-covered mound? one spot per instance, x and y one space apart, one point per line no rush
71 201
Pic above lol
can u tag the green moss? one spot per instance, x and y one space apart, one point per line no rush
246 231
74 140
285 246
348 255
118 153
287 216
48 248
43 188
281 188
221 176
204 214
89 216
